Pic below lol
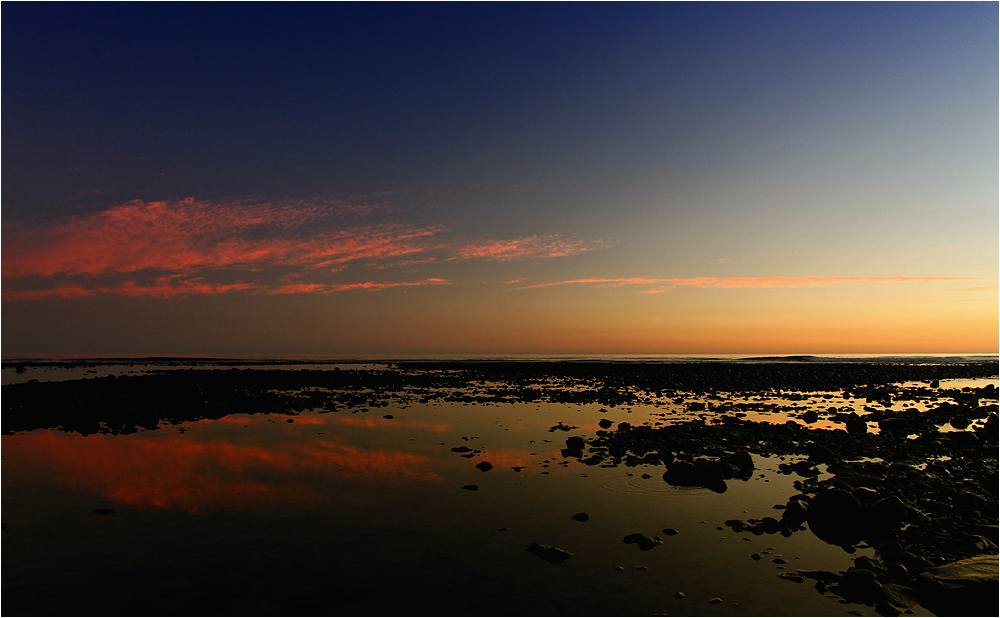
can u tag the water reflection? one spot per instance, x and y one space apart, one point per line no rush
195 471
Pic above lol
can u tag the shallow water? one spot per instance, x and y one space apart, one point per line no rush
359 514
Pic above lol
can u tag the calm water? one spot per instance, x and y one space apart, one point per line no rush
354 513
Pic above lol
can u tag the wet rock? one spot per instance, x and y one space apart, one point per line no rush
860 586
605 423
795 512
887 515
669 531
471 487
644 542
963 588
388 416
744 463
548 552
461 449
834 516
580 517
575 443
485 466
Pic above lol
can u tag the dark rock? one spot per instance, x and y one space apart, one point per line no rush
104 511
669 531
605 423
461 449
624 427
856 426
575 443
887 515
549 553
471 487
388 416
581 517
644 542
865 495
834 516
485 466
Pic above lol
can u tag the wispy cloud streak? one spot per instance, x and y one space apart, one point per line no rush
738 282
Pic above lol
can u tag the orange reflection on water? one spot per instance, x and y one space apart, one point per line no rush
191 473
367 421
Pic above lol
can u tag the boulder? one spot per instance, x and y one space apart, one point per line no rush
834 516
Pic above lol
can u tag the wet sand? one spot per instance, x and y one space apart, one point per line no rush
885 465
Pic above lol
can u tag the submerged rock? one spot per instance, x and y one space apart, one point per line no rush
549 553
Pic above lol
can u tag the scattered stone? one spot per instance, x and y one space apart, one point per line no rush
679 595
715 601
485 466
471 487
388 416
580 517
605 423
669 531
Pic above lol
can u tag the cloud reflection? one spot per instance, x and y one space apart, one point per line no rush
192 473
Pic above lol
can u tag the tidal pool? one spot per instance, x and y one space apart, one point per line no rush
371 511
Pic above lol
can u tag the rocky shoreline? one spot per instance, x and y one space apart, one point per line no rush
885 476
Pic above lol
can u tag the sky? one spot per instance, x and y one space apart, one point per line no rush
335 179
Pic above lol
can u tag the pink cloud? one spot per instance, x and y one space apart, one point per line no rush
544 246
218 247
742 282
190 235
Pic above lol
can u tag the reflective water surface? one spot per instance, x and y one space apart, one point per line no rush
371 512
